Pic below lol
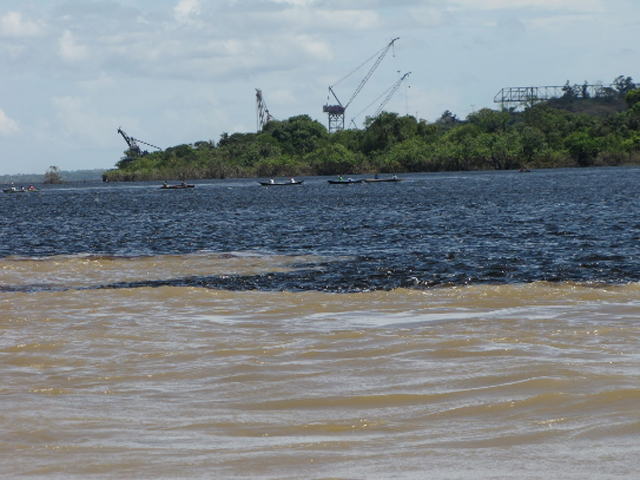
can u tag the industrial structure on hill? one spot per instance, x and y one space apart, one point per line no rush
511 96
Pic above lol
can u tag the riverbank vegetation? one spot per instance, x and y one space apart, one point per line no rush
572 131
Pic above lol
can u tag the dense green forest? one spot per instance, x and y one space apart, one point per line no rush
575 130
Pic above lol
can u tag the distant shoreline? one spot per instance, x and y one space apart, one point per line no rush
67 176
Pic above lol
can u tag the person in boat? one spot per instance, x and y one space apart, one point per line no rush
292 180
350 180
22 188
377 176
395 177
340 178
165 184
271 181
184 184
13 187
31 188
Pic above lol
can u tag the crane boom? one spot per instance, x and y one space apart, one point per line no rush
371 70
335 96
263 112
133 142
388 97
130 140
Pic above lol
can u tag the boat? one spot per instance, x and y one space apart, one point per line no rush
345 182
378 180
176 187
12 190
281 184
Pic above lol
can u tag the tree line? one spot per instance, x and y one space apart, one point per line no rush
53 175
572 131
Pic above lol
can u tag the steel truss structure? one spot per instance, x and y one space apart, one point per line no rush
533 95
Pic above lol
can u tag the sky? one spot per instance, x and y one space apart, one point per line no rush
172 72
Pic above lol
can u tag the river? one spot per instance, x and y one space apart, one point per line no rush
451 326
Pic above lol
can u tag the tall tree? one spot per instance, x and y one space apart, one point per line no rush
624 85
52 175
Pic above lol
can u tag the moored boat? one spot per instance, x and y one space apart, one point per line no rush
281 184
176 187
379 180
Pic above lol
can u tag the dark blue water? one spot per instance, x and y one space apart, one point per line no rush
432 229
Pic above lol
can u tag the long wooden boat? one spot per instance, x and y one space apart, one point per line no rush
379 180
281 184
9 190
344 182
176 187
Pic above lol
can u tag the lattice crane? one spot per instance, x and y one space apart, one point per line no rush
336 112
263 112
133 144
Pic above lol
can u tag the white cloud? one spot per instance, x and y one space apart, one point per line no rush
317 49
69 51
579 5
185 10
8 126
12 25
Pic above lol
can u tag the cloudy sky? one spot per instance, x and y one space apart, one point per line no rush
170 72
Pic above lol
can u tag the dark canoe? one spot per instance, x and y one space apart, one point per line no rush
176 187
281 184
379 180
8 190
344 182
